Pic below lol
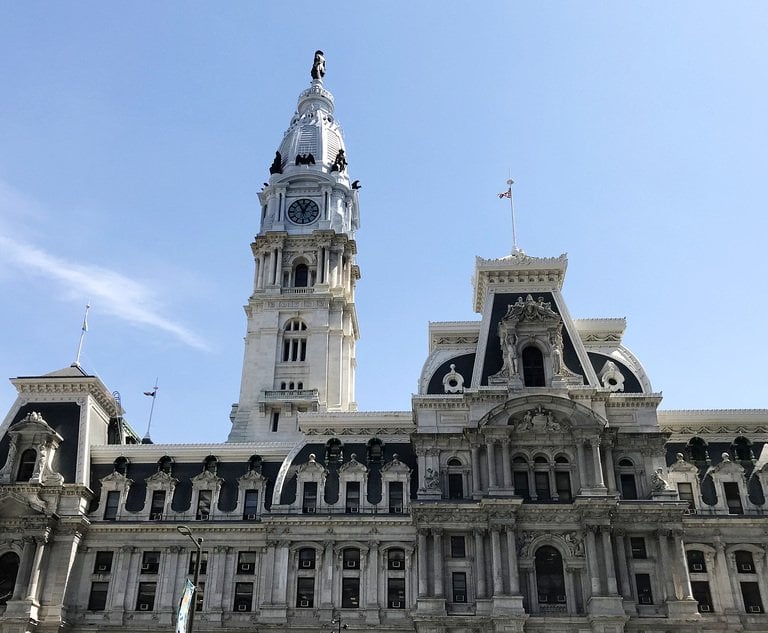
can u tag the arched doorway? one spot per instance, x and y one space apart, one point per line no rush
550 580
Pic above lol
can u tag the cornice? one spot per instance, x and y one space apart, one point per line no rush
29 387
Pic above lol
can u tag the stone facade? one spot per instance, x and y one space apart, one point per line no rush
534 485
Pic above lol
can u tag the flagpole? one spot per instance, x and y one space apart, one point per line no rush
83 330
151 409
515 250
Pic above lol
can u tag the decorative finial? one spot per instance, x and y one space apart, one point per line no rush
318 66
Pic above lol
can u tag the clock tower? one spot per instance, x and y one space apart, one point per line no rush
302 324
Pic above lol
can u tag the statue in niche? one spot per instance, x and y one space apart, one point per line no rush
340 163
432 479
658 483
277 165
509 343
556 341
318 65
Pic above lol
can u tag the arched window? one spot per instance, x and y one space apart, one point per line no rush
455 479
211 464
550 581
742 449
563 479
301 276
697 448
541 478
306 558
333 454
295 341
395 559
351 558
121 466
627 481
9 569
27 465
375 451
165 465
533 367
520 477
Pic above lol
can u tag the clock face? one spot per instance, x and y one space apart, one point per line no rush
303 211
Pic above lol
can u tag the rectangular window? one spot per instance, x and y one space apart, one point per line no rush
251 505
158 505
637 545
303 349
702 595
644 592
309 502
455 486
305 592
243 596
396 496
628 486
103 564
563 483
350 593
113 501
458 548
286 350
275 420
199 596
685 493
521 485
459 585
97 600
750 591
203 563
146 597
351 558
246 563
150 562
542 486
733 497
204 498
353 497
396 593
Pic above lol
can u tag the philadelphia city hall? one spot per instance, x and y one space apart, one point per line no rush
533 486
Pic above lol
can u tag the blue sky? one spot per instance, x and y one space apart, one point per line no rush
134 138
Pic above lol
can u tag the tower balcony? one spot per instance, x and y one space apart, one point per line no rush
297 396
308 290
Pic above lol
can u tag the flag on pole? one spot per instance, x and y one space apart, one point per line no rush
152 393
185 605
506 194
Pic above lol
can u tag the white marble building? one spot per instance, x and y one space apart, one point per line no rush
534 485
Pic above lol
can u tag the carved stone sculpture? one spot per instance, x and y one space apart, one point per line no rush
431 479
277 165
658 483
453 381
318 65
340 163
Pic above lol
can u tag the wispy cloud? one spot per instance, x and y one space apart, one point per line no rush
111 291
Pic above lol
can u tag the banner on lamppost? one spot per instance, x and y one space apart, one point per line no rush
185 604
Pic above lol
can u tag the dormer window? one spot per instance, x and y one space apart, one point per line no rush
533 367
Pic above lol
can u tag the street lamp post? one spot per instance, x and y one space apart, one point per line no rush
337 626
183 529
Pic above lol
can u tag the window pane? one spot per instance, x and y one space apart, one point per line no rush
146 597
459 585
103 564
203 563
97 601
246 563
396 593
243 596
158 505
395 559
458 549
643 584
685 492
628 486
251 504
353 496
395 496
637 544
351 558
696 562
563 481
744 562
521 485
310 497
750 591
204 504
350 593
732 497
455 486
305 592
113 500
702 595
306 558
542 486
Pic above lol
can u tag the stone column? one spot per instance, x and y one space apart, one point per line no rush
570 585
498 580
326 584
490 452
421 465
514 574
279 266
597 465
25 568
583 483
437 561
422 558
166 590
269 564
722 577
682 565
666 569
280 572
33 588
214 579
480 562
610 470
476 489
594 569
372 600
610 569
506 465
621 551
533 592
131 566
319 266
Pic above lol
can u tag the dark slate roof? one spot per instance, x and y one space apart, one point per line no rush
631 383
465 365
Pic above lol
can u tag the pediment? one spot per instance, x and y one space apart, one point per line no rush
253 478
682 466
311 467
14 505
542 414
353 467
727 467
395 466
116 478
207 478
161 478
34 425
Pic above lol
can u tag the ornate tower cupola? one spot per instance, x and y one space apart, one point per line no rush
302 324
